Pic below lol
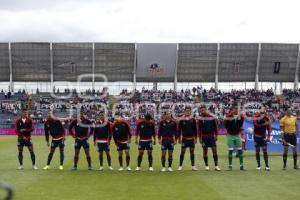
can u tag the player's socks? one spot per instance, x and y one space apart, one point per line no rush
192 156
284 160
215 156
89 161
32 155
242 168
181 159
62 158
20 157
109 160
258 159
127 160
163 162
216 160
205 158
241 157
101 160
170 160
75 161
230 168
296 167
295 161
230 152
139 160
150 160
121 161
266 158
50 156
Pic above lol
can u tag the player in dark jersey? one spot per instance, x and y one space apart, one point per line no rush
81 129
145 138
208 135
24 127
102 138
54 127
122 139
262 124
187 137
167 137
234 125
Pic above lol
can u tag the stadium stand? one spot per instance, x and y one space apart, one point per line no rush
195 63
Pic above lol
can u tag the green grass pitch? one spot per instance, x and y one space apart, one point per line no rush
144 185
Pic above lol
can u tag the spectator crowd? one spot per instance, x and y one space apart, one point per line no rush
134 104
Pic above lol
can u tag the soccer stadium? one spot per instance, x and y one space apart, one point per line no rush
147 120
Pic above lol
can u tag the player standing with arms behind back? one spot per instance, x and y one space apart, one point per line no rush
122 138
208 134
81 130
24 127
289 128
145 132
262 124
102 138
187 137
55 128
167 136
234 125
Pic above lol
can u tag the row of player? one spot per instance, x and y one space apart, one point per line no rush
186 131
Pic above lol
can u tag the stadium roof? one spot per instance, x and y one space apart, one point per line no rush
195 62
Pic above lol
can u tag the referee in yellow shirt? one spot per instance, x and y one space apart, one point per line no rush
289 128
